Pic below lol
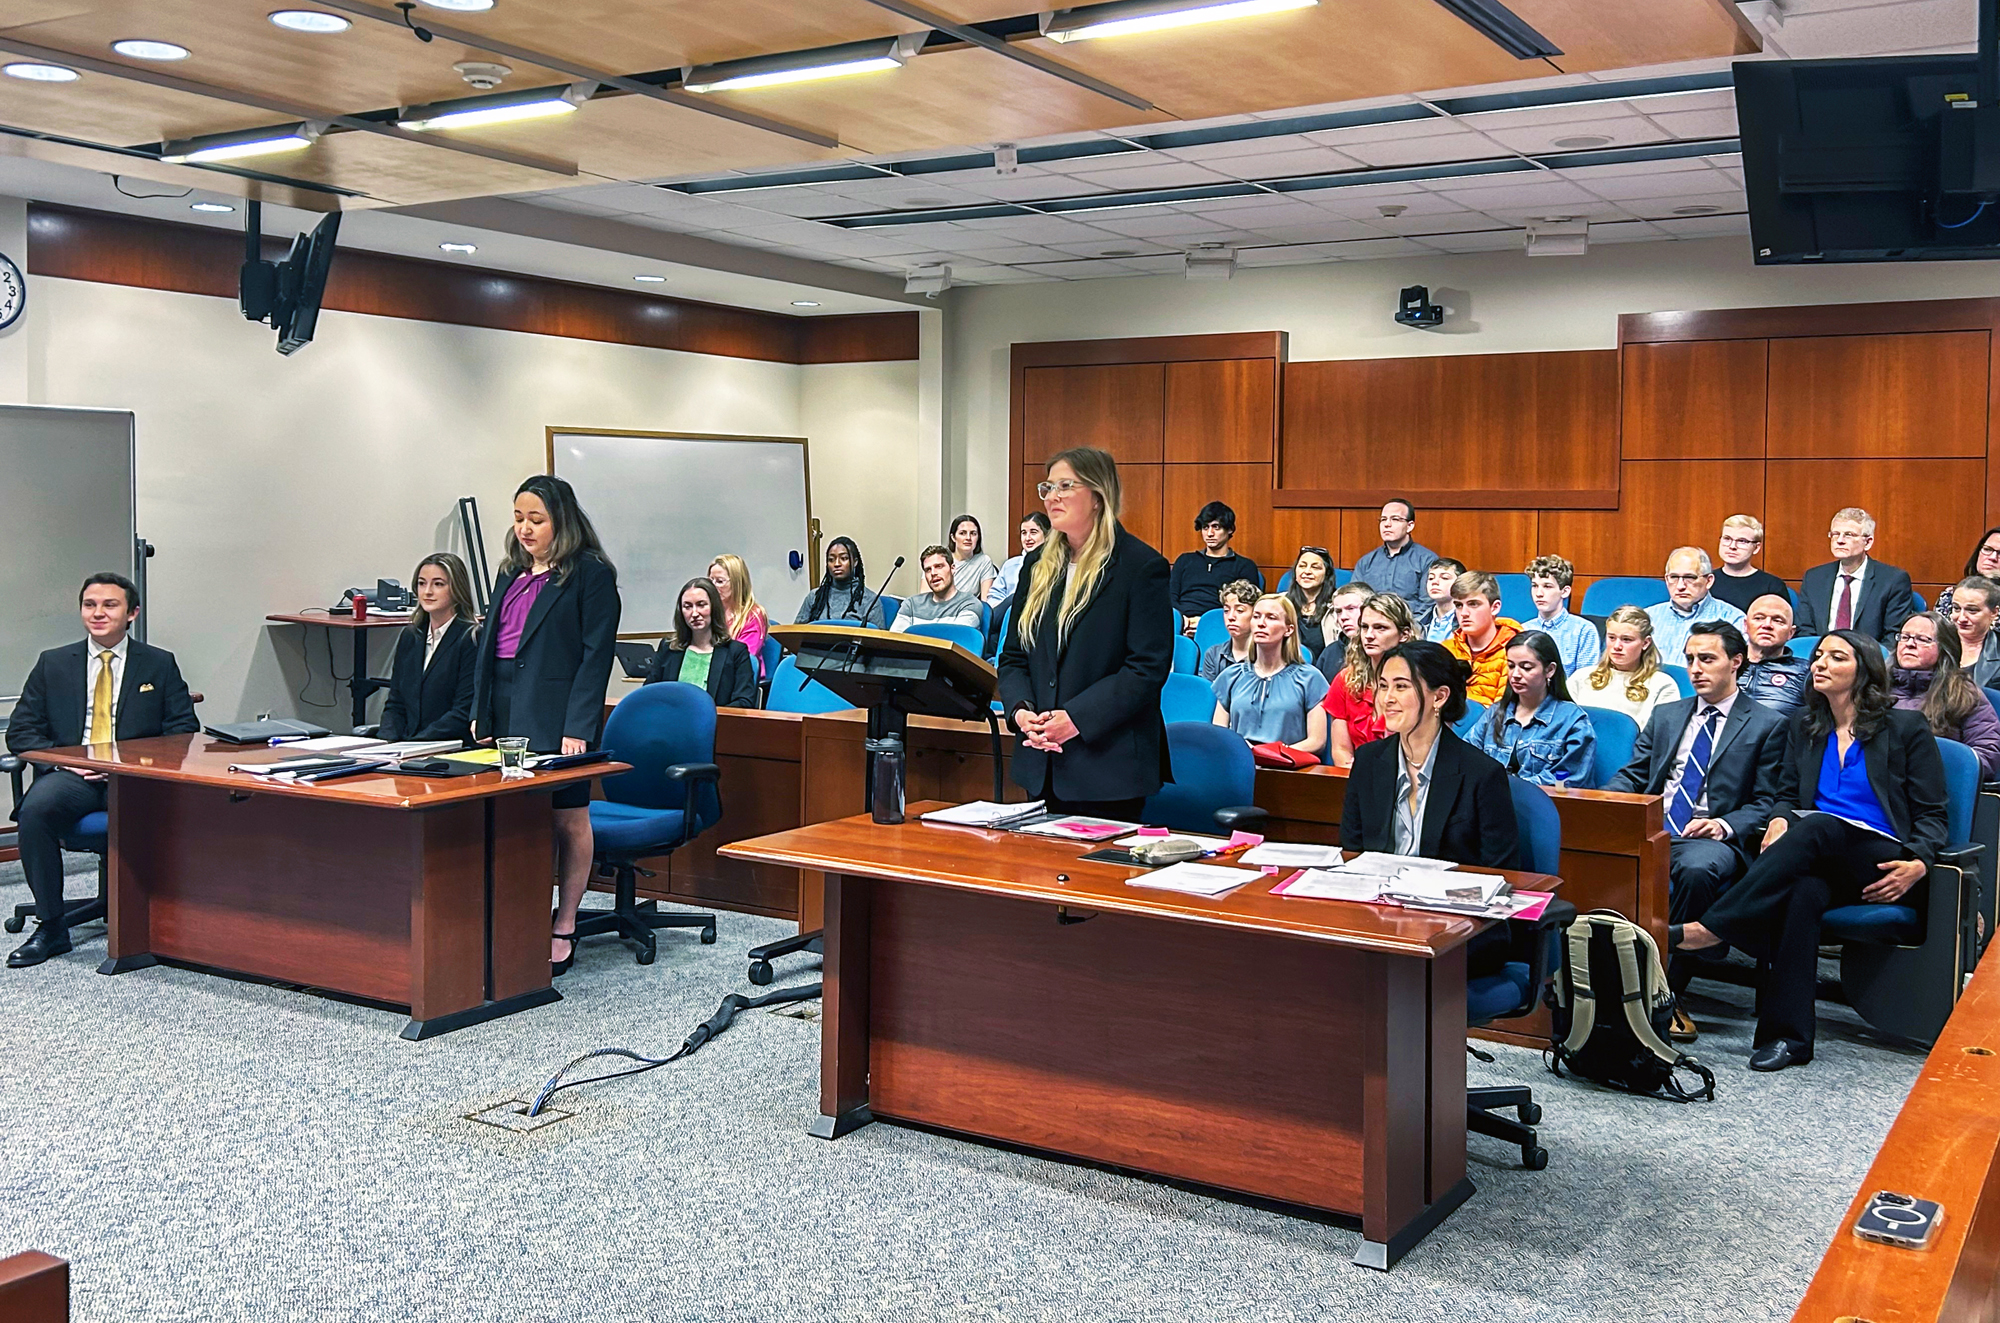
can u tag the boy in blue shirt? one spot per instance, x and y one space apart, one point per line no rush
1549 582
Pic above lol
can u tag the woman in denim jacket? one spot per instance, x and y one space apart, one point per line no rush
1535 731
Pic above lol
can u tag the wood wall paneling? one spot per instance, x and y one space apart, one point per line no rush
1142 508
1928 512
1662 504
1879 395
1809 320
1702 399
1115 407
1223 411
1293 527
1244 488
1499 541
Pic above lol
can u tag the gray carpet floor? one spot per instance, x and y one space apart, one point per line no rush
202 1148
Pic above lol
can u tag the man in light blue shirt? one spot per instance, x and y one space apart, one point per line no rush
1690 575
1399 565
1549 581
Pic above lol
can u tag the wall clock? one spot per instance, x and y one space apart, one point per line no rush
13 292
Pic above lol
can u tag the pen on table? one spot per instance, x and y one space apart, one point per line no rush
287 739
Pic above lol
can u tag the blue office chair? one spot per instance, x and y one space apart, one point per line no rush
671 795
1802 645
1189 698
1341 578
890 606
768 657
1901 966
792 690
1680 677
985 624
1209 630
1187 655
90 835
1473 712
969 637
1606 595
1616 734
1516 988
1919 598
1215 782
1285 582
1516 603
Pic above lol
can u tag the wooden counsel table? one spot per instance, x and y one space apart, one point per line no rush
1305 1051
431 895
359 682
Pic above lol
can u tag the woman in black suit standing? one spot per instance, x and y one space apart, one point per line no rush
1088 651
430 687
1860 820
545 661
701 643
1424 791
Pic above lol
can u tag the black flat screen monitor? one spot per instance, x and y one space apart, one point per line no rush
302 284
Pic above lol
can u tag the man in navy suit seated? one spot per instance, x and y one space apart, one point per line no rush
1715 757
1854 591
108 687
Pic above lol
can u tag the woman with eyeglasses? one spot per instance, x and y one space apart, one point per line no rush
1088 650
1926 677
1984 563
1975 604
1312 596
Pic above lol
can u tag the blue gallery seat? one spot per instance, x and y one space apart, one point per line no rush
969 637
793 691
1606 595
1189 698
1616 734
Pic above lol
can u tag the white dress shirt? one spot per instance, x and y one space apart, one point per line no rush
91 664
433 637
1686 747
1839 585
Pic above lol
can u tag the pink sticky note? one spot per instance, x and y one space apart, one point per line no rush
1155 831
1243 838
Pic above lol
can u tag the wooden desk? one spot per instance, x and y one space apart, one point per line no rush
34 1288
1309 1052
359 682
430 895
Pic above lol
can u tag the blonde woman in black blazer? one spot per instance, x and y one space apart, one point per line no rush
430 685
545 661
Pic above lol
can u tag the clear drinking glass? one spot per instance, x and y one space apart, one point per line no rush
513 757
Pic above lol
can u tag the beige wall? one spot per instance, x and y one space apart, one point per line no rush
1499 303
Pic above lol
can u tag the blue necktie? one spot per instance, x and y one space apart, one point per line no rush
1681 811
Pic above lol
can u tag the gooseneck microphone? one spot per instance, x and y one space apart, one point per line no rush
869 610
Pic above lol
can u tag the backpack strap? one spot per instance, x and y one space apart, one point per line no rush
1636 999
1585 1017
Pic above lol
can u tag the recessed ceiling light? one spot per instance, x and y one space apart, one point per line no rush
136 49
651 280
461 6
309 20
458 248
804 303
1696 211
217 207
1583 140
1124 17
42 73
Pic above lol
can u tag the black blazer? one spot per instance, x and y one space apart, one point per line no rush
1108 677
431 702
1905 770
1468 818
1884 603
1742 783
564 664
732 672
152 699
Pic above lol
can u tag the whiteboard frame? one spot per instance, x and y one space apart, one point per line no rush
805 459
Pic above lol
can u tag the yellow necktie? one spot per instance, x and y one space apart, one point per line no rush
100 703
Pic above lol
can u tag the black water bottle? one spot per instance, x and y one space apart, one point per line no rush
886 783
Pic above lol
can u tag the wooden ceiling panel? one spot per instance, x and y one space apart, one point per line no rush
173 176
947 99
406 173
1593 35
118 113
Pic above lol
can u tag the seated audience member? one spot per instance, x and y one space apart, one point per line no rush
743 618
700 651
1312 594
1034 527
1237 599
1338 628
1860 819
1689 578
1274 695
1436 620
1737 581
1715 758
105 688
1550 579
843 593
1984 563
1926 677
430 682
1400 564
1351 719
1628 677
1975 602
1534 730
971 568
1483 634
1852 591
945 601
1196 582
1774 675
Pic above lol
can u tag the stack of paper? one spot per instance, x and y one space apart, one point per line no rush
985 813
402 749
1078 828
1435 884
1195 879
1273 855
1392 865
330 743
1328 884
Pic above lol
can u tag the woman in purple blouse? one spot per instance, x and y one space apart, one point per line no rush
545 661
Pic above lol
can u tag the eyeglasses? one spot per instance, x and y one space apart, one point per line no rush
1916 638
1686 578
1060 488
1729 541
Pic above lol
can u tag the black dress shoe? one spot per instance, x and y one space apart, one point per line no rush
46 942
1778 1056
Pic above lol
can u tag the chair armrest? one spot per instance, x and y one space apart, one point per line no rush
12 767
694 772
1243 817
1961 855
368 732
1559 914
9 763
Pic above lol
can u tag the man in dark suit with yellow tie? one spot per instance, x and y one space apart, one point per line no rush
108 687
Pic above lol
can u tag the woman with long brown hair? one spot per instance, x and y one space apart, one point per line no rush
431 681
1926 677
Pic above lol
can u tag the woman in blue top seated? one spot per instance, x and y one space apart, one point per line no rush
1274 695
1860 820
1535 731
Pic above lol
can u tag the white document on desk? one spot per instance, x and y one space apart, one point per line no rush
1390 865
1272 854
1332 884
1195 879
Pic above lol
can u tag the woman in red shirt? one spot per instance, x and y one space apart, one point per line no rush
1350 700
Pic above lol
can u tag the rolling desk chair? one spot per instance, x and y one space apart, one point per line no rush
89 836
671 795
1216 786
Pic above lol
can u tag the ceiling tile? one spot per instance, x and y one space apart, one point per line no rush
1460 144
1654 208
1615 131
1547 193
1698 123
1487 241
1329 228
1160 173
1624 232
1280 165
1705 227
1081 270
1151 221
1113 246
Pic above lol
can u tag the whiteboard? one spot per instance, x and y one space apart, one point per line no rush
69 490
667 503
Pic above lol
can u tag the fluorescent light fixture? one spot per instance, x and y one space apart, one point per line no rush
309 20
804 303
1504 28
265 142
216 207
466 248
1124 17
857 57
1569 238
42 73
1211 262
651 280
540 104
133 48
458 6
931 280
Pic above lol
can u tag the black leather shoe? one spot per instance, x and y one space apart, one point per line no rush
1778 1056
47 941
